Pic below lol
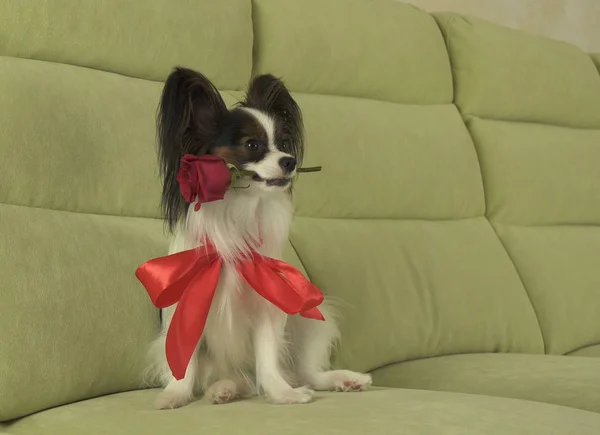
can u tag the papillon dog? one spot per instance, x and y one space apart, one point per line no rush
248 346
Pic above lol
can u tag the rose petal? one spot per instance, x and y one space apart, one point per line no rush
187 177
214 178
205 178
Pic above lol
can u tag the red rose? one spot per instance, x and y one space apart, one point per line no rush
204 179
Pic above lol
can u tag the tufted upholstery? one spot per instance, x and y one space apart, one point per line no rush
458 211
538 142
78 182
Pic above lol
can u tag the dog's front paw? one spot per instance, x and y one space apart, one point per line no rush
175 395
171 400
341 380
292 396
222 392
352 381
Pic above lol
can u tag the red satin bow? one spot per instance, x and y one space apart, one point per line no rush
190 278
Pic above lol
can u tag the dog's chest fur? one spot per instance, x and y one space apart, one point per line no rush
241 219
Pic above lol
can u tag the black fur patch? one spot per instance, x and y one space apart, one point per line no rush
268 94
187 124
243 139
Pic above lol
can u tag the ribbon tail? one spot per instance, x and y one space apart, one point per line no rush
190 316
313 313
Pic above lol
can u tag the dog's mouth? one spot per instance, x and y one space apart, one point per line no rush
279 182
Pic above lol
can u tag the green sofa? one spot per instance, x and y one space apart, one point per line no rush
456 219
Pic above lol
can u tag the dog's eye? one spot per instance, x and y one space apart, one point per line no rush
252 144
285 144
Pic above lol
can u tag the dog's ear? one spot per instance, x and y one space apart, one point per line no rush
187 119
269 94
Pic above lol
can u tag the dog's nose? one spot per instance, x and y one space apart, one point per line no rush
288 164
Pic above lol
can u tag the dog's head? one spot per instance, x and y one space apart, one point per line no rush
263 133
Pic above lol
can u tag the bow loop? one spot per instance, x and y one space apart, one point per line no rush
166 278
281 284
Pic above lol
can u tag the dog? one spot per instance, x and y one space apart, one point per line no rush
248 346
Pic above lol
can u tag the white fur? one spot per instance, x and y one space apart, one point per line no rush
248 345
268 167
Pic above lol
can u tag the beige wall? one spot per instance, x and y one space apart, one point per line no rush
575 21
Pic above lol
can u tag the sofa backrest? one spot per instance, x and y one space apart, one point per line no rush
394 226
532 107
397 226
457 210
79 193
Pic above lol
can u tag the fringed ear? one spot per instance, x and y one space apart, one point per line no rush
187 123
268 94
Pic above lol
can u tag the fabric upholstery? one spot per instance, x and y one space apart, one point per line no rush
82 127
457 210
411 241
596 60
532 106
560 380
524 189
353 48
432 173
401 412
79 192
69 160
558 266
411 273
588 351
75 321
139 39
501 73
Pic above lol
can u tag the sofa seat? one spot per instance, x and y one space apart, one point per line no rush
378 411
561 380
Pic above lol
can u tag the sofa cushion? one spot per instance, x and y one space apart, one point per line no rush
139 39
559 268
536 174
532 106
588 351
79 192
596 59
430 173
560 380
414 288
409 243
353 48
68 132
75 140
543 198
78 139
381 411
501 73
393 227
74 321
